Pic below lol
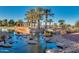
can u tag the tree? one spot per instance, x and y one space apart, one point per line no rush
55 25
19 23
77 24
0 22
34 23
29 16
47 12
5 22
34 16
39 13
11 22
61 23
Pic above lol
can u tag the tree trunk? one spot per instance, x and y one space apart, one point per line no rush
50 24
46 23
38 35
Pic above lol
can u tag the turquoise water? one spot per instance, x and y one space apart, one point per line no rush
45 45
20 44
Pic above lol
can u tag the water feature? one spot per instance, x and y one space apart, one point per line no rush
46 45
20 44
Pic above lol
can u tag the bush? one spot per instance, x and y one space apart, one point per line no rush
48 33
63 32
2 38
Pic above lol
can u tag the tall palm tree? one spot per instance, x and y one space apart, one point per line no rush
34 15
29 16
39 13
34 23
47 13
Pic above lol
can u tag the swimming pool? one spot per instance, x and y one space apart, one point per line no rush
46 45
20 45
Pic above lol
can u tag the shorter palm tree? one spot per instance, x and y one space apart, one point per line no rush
61 23
19 23
55 25
0 22
11 22
5 22
77 24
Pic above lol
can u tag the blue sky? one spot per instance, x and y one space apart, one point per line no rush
69 13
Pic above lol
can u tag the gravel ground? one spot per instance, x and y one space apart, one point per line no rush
69 45
73 37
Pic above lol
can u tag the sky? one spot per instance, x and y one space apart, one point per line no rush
69 13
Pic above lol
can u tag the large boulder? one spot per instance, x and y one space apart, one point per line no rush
22 30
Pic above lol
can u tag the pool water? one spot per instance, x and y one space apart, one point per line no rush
45 45
20 45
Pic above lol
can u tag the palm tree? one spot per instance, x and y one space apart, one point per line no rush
77 24
19 23
34 16
61 22
47 12
68 26
55 25
11 22
39 12
5 22
34 23
46 22
0 22
29 16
